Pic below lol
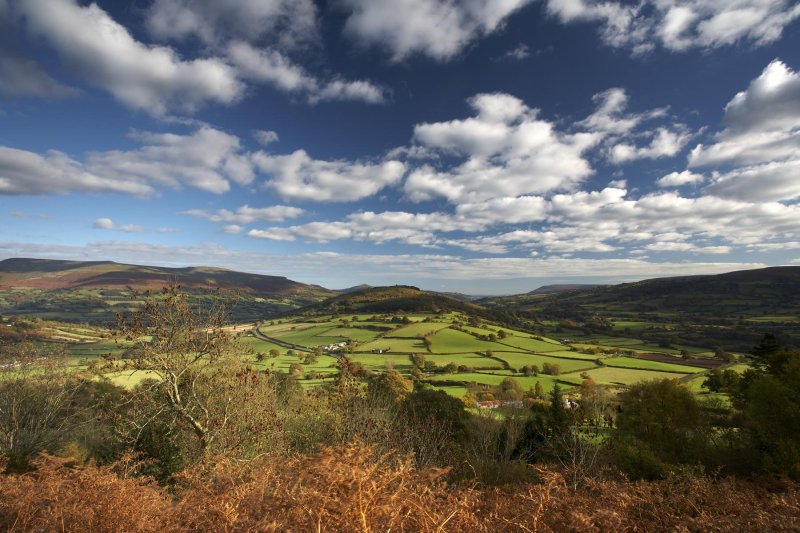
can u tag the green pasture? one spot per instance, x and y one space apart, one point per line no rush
628 376
93 350
309 337
259 345
566 354
380 362
622 342
774 318
394 345
419 318
382 326
456 391
282 363
530 344
274 330
633 325
420 328
527 382
644 364
354 334
473 360
517 333
517 360
739 367
453 341
479 331
695 383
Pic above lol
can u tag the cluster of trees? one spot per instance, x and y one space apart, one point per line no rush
663 426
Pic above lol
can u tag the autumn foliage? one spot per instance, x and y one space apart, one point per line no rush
350 489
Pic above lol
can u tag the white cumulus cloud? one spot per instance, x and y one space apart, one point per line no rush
275 68
284 23
300 177
24 172
507 151
104 54
206 159
680 25
439 29
677 179
103 223
759 149
247 215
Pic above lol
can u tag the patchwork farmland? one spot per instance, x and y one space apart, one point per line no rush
454 352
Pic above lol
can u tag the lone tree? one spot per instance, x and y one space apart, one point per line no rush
192 360
389 387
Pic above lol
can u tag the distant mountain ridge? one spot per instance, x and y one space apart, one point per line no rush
95 291
356 288
766 291
547 289
49 274
733 310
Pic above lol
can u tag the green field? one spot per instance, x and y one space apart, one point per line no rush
399 341
479 331
393 345
473 360
695 384
517 360
414 330
283 327
524 334
325 364
355 334
628 376
516 350
93 350
306 337
456 391
380 362
262 346
644 364
566 354
530 344
547 382
452 341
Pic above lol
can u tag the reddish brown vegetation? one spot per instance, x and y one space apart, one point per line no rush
346 489
48 275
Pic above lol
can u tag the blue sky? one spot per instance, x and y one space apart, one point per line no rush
477 146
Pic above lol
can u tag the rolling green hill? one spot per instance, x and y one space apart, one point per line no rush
399 298
732 309
747 293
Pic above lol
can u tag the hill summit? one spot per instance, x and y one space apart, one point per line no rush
393 299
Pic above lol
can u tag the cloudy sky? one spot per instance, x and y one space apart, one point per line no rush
481 146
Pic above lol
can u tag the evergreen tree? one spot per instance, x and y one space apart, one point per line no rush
769 354
559 418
